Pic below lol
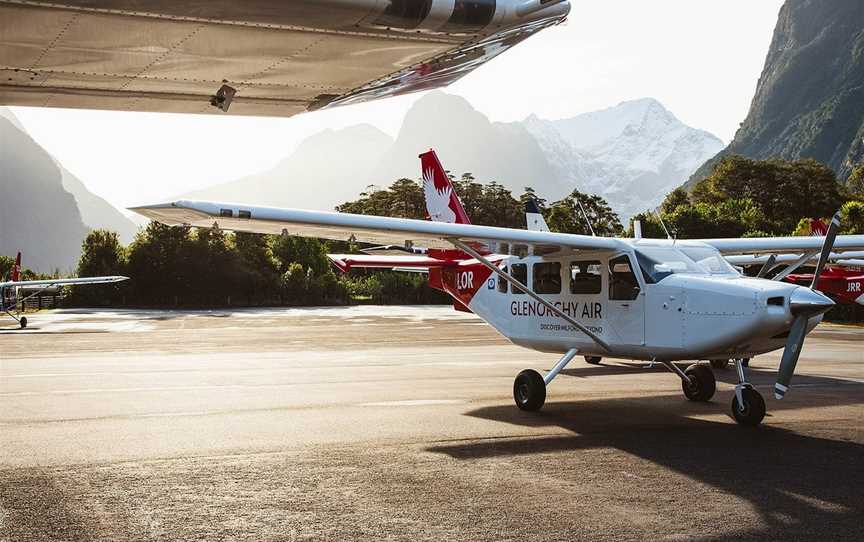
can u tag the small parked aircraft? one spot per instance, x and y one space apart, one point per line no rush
657 300
10 289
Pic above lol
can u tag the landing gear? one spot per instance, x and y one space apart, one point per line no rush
719 364
529 390
23 322
748 406
745 362
593 360
700 385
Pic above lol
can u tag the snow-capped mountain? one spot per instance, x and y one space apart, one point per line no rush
632 154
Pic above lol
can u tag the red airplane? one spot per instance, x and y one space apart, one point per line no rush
843 284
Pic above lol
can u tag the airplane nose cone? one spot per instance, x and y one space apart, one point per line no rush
810 302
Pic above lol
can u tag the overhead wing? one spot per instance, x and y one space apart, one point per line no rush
48 283
256 57
361 228
779 245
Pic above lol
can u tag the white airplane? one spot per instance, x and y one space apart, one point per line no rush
656 300
256 57
10 289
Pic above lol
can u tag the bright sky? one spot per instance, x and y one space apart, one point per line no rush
701 59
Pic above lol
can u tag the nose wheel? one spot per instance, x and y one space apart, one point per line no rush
748 406
593 360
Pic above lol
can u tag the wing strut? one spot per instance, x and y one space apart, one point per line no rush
795 265
509 278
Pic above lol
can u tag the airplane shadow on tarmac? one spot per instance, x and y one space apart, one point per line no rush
801 486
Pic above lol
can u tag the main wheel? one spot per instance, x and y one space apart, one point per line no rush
745 362
593 360
529 390
702 384
23 322
719 363
753 410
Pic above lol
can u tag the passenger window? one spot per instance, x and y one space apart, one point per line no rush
547 278
502 284
586 277
623 285
519 271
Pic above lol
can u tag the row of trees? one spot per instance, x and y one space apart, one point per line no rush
208 267
758 198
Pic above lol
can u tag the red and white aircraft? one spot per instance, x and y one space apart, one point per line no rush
10 289
646 299
842 280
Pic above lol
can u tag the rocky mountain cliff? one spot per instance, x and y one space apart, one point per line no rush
809 102
633 154
45 211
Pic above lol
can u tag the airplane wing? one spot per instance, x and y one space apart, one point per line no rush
361 228
346 262
779 245
48 283
256 57
757 259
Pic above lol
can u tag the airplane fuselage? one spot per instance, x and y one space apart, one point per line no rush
679 317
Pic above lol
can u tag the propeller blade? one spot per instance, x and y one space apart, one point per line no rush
827 246
790 355
769 263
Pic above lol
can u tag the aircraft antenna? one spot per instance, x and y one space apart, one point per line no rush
668 235
585 216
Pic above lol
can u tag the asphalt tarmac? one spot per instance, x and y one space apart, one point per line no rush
397 423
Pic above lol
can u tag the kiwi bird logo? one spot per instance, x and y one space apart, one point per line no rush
437 200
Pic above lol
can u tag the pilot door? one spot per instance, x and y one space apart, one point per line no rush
626 313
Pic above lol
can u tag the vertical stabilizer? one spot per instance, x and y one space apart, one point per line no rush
533 218
442 203
818 228
16 269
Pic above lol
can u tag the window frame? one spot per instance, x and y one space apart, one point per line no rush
639 287
588 264
535 274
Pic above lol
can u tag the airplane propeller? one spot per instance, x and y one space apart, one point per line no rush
805 303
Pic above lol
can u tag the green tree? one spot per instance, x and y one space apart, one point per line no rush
782 191
158 265
855 183
101 254
852 218
564 216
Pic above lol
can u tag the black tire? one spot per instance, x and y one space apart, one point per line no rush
719 363
702 385
593 360
529 390
754 408
745 362
23 322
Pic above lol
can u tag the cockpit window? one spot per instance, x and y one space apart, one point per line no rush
623 285
710 260
657 263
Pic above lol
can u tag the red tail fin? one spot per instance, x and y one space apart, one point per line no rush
442 203
16 269
818 228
